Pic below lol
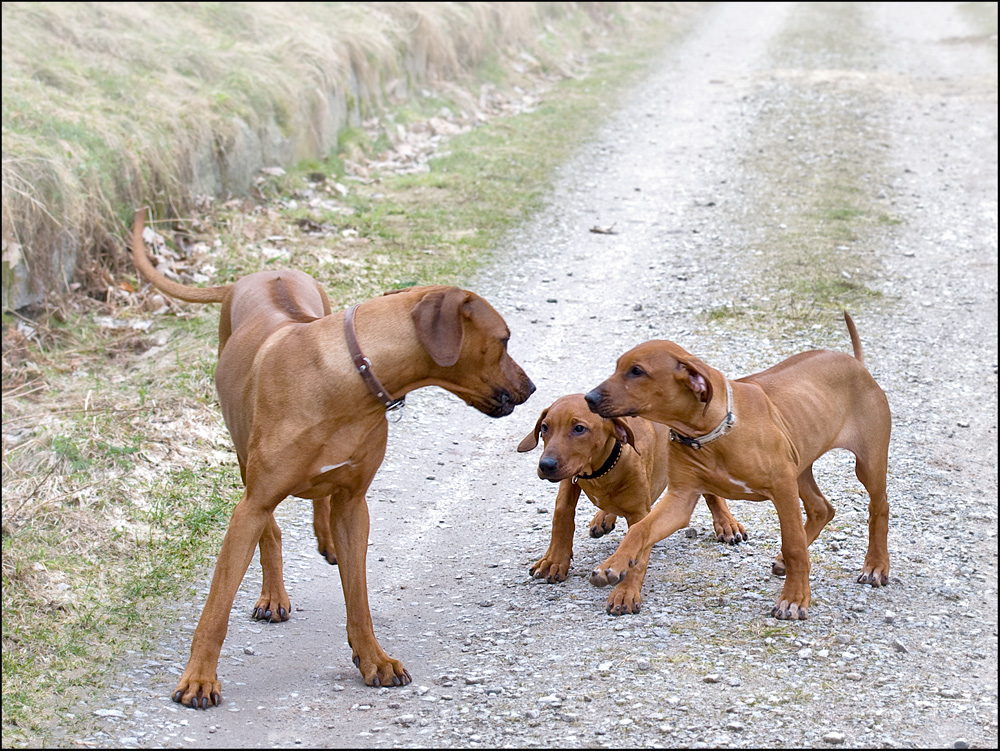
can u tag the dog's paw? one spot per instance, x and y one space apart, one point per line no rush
273 608
784 610
877 576
602 523
551 570
730 531
197 692
327 552
385 672
778 565
607 573
624 601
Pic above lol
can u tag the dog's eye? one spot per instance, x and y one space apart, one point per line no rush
579 429
635 371
543 429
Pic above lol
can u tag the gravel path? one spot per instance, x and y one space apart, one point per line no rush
458 516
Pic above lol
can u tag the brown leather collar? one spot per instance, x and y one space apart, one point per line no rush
364 366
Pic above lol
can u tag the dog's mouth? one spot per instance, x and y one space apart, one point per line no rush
552 475
501 402
604 409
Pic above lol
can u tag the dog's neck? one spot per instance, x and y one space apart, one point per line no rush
392 358
610 455
707 425
364 366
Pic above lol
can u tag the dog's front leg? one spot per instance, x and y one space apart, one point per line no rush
199 684
793 604
554 565
626 598
671 513
349 523
727 529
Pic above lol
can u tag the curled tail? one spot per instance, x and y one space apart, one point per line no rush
855 340
158 280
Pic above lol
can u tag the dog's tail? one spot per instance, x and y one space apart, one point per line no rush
158 280
855 340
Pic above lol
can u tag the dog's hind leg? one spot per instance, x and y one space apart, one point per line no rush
199 685
273 604
321 526
871 471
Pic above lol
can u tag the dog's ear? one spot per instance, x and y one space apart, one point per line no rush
531 440
694 373
623 432
439 321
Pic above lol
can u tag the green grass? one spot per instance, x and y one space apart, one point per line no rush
113 585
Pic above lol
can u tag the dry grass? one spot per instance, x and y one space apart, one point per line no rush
110 105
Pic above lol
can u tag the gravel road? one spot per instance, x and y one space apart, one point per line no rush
458 516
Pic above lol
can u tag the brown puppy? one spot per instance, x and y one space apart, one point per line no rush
621 464
307 413
755 438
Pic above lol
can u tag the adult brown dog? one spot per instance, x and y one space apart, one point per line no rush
307 415
621 464
756 438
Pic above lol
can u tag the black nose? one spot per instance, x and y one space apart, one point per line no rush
531 387
593 398
548 465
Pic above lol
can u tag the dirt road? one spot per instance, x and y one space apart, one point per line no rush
720 151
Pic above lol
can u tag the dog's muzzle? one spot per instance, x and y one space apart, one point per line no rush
594 399
502 401
548 469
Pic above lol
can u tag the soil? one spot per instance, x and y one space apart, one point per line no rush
458 516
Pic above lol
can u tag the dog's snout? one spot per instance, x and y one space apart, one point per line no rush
593 398
547 465
531 387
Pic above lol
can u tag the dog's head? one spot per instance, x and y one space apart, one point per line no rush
575 438
657 380
467 341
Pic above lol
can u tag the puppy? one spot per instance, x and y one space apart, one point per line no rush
621 464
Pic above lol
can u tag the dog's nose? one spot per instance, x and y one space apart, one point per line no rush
531 387
547 465
593 398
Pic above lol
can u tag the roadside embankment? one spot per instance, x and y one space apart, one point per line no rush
107 106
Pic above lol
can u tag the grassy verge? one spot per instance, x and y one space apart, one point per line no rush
118 474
